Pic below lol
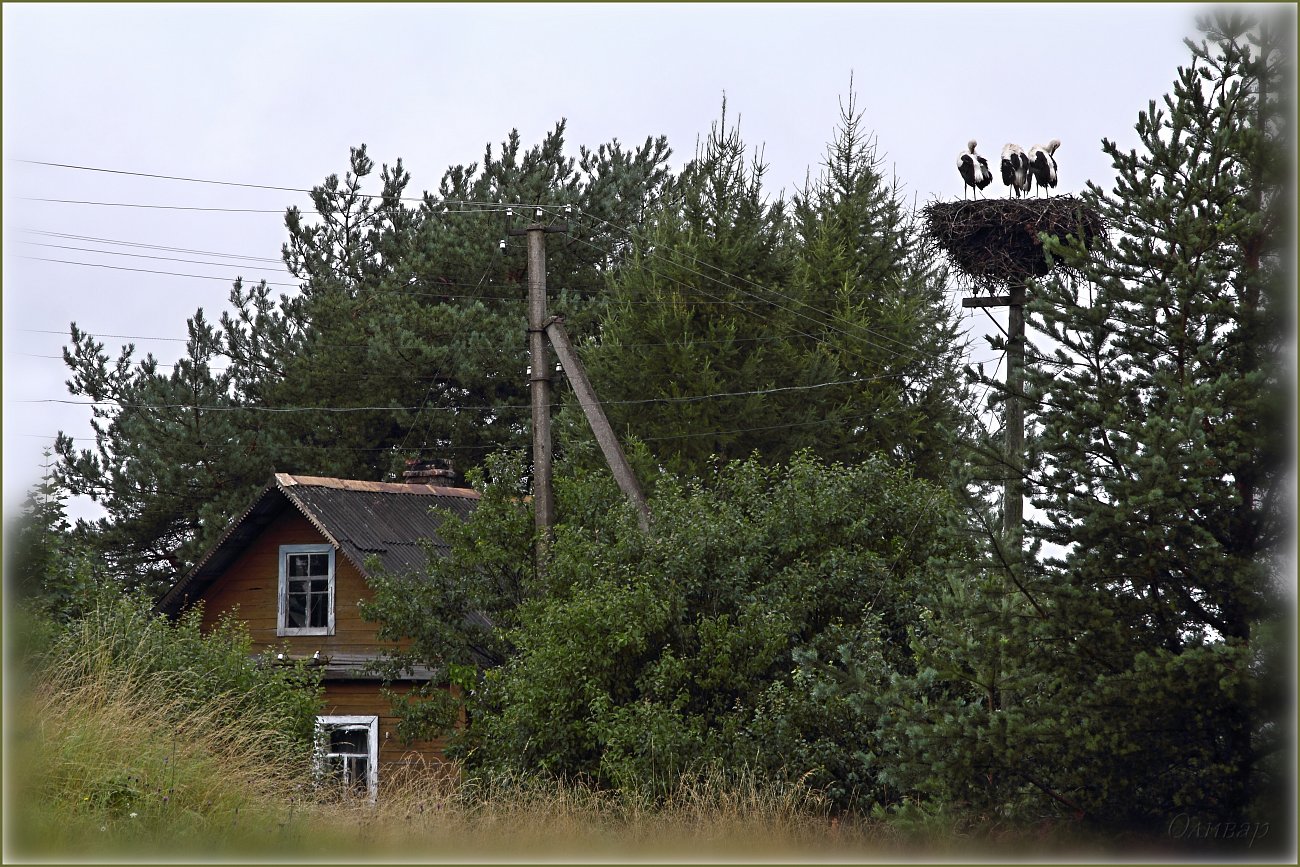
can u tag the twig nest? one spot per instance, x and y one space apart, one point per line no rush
995 243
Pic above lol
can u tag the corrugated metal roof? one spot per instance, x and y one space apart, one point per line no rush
390 521
382 520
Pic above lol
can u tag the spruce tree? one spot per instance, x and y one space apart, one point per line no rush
825 327
1146 663
691 313
886 324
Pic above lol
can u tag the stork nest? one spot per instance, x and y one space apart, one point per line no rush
995 243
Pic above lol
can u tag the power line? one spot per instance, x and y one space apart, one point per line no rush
282 269
359 194
471 296
477 208
150 271
121 243
115 336
152 207
346 409
756 285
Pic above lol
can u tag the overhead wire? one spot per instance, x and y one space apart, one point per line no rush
272 187
282 269
455 409
653 254
169 249
755 284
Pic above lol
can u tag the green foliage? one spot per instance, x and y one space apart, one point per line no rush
634 659
47 569
1145 659
408 318
459 612
825 324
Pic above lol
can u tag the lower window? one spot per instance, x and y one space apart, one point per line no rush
347 749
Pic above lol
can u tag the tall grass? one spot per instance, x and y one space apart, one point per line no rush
111 758
106 761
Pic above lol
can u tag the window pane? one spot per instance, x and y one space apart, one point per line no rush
320 609
319 585
349 740
358 776
333 767
297 614
298 565
320 564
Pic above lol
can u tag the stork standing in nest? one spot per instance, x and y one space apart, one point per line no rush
1042 163
1015 170
974 169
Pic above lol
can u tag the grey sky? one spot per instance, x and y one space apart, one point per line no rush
276 94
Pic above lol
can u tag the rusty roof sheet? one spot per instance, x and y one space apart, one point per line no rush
389 521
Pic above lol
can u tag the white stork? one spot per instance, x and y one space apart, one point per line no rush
1042 163
974 169
1015 170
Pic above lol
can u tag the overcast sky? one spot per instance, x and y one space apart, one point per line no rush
276 94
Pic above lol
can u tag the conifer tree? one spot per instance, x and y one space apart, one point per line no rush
1148 665
882 295
825 329
407 337
687 314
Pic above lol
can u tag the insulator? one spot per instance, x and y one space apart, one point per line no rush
502 245
568 210
539 213
510 212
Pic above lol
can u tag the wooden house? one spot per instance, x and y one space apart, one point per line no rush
293 567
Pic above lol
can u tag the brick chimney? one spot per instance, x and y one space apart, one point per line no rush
438 471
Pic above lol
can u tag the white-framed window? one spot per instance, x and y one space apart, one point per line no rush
306 590
347 753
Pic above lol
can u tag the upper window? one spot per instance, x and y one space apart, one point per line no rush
306 590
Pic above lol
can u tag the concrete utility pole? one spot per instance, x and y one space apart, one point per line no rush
1013 504
609 444
539 387
539 384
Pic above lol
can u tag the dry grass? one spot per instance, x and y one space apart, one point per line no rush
711 814
115 762
107 765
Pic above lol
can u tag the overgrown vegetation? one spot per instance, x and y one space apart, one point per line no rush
819 639
106 761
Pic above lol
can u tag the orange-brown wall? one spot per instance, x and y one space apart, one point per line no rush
253 584
251 589
362 697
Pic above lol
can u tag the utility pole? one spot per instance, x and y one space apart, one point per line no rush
1013 505
539 383
1012 542
1013 509
540 328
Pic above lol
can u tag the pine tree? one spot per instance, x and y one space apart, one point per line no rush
407 337
1151 655
174 454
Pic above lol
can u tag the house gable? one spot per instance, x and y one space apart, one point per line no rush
250 588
